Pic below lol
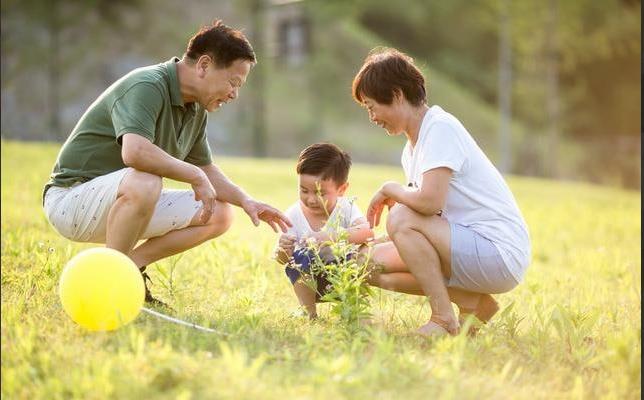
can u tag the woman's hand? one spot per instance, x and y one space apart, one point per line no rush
377 205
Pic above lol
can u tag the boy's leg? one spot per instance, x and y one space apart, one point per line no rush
306 297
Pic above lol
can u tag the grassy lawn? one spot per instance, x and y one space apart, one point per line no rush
571 330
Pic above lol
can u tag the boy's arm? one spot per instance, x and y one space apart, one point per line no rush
380 239
358 233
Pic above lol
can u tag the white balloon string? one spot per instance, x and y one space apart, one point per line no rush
181 322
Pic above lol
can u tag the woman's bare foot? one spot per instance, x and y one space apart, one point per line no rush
438 326
486 308
484 311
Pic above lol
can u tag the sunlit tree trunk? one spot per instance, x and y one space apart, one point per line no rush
259 123
54 73
505 89
552 90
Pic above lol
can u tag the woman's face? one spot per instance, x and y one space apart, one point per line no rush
388 117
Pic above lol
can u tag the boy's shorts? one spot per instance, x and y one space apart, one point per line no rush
80 212
477 265
303 259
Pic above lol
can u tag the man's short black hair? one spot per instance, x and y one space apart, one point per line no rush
222 43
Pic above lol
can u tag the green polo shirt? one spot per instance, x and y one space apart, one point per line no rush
147 102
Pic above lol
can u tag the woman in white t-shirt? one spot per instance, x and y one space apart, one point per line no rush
456 232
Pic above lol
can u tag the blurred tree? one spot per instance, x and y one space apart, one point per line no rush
573 63
54 19
257 10
505 87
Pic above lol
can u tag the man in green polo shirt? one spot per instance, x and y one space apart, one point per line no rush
106 184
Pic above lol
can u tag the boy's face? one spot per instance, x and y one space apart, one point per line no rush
316 193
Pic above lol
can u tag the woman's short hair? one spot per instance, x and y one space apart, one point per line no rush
386 71
222 43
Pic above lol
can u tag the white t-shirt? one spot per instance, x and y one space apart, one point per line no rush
344 215
478 196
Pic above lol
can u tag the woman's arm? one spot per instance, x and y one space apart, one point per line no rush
428 199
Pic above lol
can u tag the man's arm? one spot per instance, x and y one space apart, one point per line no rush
226 190
141 154
257 211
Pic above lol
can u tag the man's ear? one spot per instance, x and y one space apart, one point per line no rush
398 95
202 65
343 188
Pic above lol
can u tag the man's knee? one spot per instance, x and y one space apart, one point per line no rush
141 187
221 220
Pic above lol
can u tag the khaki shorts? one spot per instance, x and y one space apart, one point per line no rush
80 212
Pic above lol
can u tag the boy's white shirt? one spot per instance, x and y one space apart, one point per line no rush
344 215
478 196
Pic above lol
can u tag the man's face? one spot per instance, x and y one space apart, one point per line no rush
316 194
385 116
221 85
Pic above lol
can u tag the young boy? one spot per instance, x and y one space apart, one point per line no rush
323 170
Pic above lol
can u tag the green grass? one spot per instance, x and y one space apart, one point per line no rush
571 330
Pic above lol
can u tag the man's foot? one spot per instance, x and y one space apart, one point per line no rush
438 326
483 312
151 300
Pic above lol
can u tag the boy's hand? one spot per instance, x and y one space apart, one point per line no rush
286 244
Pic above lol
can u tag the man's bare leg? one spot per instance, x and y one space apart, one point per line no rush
130 214
175 242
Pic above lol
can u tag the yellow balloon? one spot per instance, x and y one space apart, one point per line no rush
101 289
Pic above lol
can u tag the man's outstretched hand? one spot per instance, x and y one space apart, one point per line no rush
258 211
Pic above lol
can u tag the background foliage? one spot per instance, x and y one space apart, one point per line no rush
574 80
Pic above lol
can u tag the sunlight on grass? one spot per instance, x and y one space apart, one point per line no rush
571 330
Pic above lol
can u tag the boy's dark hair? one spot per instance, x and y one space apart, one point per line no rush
325 160
385 71
223 44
